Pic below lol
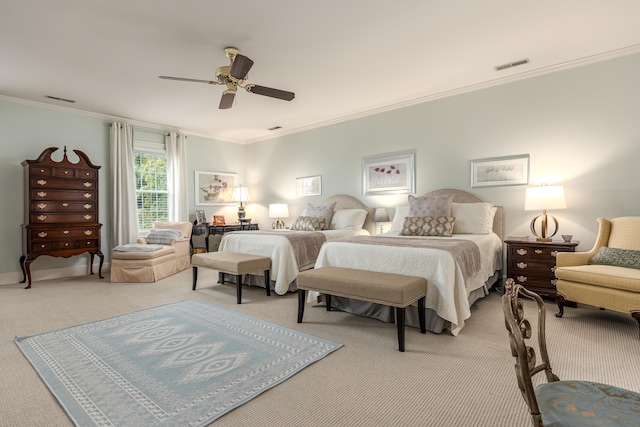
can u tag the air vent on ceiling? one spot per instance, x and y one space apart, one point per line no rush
275 128
512 64
59 99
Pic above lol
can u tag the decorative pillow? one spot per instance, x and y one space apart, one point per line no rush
430 206
348 219
619 257
473 218
398 219
428 226
320 211
308 223
162 236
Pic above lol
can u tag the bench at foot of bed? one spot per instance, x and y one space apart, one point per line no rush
395 290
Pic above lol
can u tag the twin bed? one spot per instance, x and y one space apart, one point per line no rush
459 269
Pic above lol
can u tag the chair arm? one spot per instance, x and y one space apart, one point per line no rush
142 240
566 259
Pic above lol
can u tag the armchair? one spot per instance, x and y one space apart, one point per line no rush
607 276
159 255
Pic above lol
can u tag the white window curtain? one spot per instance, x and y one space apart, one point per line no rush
177 176
124 216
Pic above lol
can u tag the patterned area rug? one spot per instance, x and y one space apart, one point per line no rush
181 364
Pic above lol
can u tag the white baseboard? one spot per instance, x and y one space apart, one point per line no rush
52 273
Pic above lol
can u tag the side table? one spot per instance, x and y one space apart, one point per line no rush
532 264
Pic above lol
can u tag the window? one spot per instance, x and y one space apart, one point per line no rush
150 163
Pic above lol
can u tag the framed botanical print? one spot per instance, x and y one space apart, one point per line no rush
392 173
214 188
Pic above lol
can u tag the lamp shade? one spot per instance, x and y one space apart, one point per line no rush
381 215
544 197
278 210
240 194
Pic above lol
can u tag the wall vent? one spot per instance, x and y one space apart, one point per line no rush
59 99
512 64
275 128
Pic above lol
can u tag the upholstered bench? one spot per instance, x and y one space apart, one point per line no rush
232 263
395 290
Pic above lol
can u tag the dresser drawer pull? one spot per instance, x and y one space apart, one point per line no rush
88 206
65 232
88 243
42 217
522 279
41 182
538 251
66 172
521 265
521 251
42 205
66 244
88 232
41 170
88 184
88 217
554 253
87 195
87 174
553 269
65 204
42 234
43 246
553 282
42 194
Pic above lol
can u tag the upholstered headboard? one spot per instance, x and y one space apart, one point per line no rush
460 196
344 201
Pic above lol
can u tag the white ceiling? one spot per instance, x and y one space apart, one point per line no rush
342 58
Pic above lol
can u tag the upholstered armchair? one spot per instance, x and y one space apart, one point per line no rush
181 243
166 250
607 276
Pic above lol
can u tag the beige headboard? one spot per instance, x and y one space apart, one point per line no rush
460 196
344 201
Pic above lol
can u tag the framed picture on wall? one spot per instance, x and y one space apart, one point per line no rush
497 171
392 173
309 186
214 188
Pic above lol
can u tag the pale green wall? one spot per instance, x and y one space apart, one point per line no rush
580 127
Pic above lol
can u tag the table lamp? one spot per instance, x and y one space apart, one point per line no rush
240 194
279 211
544 197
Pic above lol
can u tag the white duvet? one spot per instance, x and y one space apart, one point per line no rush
447 292
284 268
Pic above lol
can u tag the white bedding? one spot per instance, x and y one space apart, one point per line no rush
284 268
447 292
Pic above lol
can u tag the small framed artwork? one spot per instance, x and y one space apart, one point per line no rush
201 217
392 173
218 220
214 188
499 171
309 186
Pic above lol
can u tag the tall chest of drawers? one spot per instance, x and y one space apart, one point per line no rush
61 210
532 264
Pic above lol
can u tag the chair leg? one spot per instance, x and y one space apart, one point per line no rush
560 302
267 282
328 299
302 297
636 315
195 277
400 324
421 315
239 288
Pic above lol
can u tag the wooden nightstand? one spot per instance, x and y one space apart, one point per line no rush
532 264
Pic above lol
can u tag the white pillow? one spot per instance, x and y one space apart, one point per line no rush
348 219
473 218
398 219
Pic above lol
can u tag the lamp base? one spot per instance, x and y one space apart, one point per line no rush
543 236
241 212
278 224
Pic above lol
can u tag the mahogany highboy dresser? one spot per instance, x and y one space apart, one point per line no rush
61 210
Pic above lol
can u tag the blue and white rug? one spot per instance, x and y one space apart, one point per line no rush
181 364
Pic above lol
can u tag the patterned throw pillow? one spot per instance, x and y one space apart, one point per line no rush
308 223
428 226
320 211
430 206
162 236
618 257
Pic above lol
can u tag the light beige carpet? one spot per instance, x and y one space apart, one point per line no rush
440 380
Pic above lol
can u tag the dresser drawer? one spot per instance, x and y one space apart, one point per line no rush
532 267
62 206
65 183
63 232
533 252
53 218
61 195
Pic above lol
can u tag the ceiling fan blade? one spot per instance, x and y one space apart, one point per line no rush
182 79
273 93
240 67
227 99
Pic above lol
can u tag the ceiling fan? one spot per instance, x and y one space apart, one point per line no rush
234 76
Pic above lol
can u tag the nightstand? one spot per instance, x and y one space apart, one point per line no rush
532 264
